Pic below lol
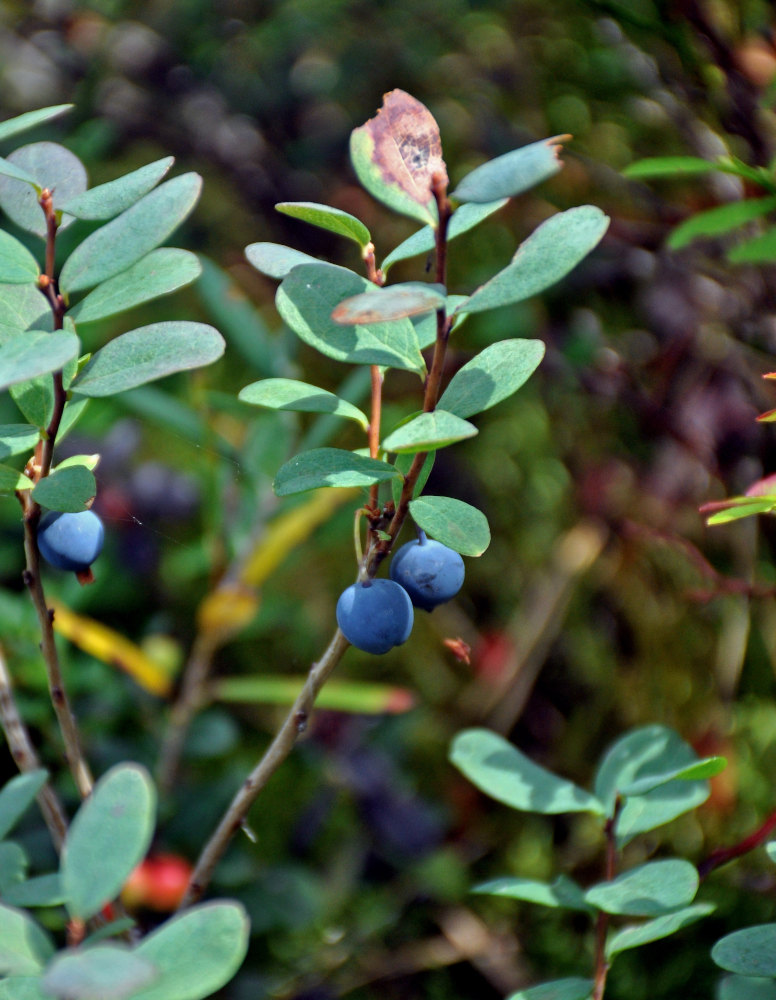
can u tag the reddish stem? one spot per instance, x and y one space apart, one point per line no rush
602 922
722 855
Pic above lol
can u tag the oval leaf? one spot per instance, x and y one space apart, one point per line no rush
503 772
16 439
288 394
17 796
397 154
197 952
655 930
453 523
669 166
109 200
647 891
379 305
760 250
109 835
494 374
22 306
22 988
563 892
70 489
572 988
158 273
104 972
720 220
17 265
24 947
35 353
13 867
51 166
749 952
31 119
509 175
326 217
11 480
276 260
36 400
424 240
308 297
146 354
329 467
43 890
428 432
123 241
549 253
743 988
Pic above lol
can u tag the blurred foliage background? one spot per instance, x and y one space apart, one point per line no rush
604 602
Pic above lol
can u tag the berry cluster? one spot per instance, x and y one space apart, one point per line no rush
376 615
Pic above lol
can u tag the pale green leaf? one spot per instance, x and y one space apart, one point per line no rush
745 988
17 265
158 273
428 432
513 173
23 306
16 439
102 972
108 200
31 119
70 489
494 374
654 930
22 988
705 768
649 890
24 946
326 217
35 398
424 240
562 893
148 353
43 890
50 166
131 235
329 467
16 797
453 523
289 394
500 770
35 353
276 260
13 867
559 989
748 952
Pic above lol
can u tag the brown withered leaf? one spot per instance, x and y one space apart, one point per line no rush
407 145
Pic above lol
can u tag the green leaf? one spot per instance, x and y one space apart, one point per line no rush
8 169
13 866
770 848
89 461
50 166
22 988
654 930
396 155
196 952
329 467
650 890
503 772
123 241
17 439
742 507
31 119
17 796
158 273
549 253
403 463
104 972
453 523
494 374
148 353
669 166
43 890
17 265
746 988
648 752
748 952
70 489
35 399
108 200
560 989
309 295
22 306
562 893
276 260
720 220
427 432
705 768
363 697
24 947
326 217
35 353
108 837
509 175
380 305
760 250
12 480
424 240
288 394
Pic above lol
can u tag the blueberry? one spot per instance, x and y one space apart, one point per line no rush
375 615
430 572
70 541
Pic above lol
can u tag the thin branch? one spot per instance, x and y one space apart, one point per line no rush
602 923
26 758
722 855
284 741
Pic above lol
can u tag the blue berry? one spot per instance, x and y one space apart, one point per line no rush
375 615
430 572
70 541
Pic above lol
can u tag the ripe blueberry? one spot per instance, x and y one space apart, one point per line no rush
375 615
70 541
430 572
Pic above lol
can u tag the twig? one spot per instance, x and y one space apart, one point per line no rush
602 923
284 741
722 855
26 758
